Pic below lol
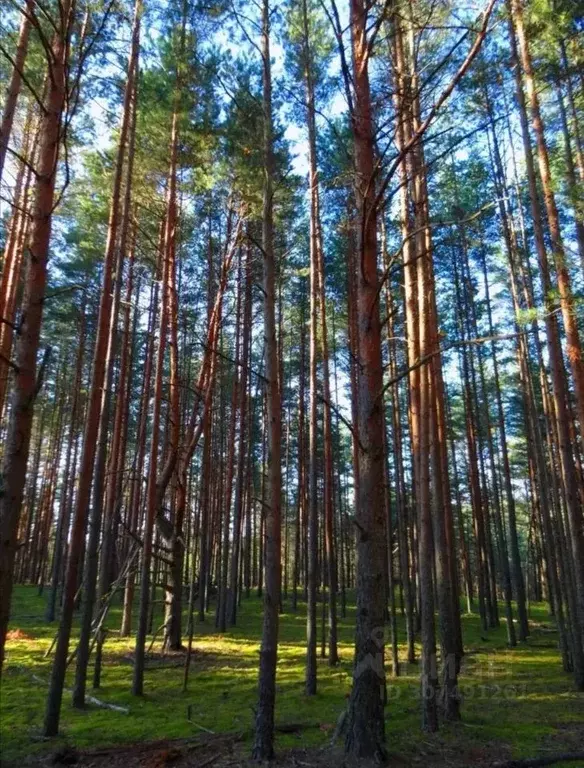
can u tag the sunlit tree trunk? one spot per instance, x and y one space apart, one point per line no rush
26 379
15 83
569 477
574 349
14 256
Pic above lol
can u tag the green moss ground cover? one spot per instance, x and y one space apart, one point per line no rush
519 699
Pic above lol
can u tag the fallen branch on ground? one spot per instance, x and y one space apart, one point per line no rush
192 722
90 699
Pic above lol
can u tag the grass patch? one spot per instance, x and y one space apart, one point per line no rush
518 699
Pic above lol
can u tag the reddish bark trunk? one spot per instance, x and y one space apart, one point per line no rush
26 383
90 439
365 729
14 85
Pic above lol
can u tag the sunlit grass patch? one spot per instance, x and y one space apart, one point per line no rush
513 697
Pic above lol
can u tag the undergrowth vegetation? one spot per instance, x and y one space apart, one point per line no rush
517 698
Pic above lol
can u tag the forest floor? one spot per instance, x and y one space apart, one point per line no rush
516 702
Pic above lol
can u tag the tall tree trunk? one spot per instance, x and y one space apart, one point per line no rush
264 727
172 530
317 264
301 492
311 607
30 503
97 581
66 491
15 84
92 424
390 583
238 502
574 349
473 470
134 502
559 384
11 271
365 727
26 381
446 583
511 245
238 382
151 487
402 134
400 492
571 181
